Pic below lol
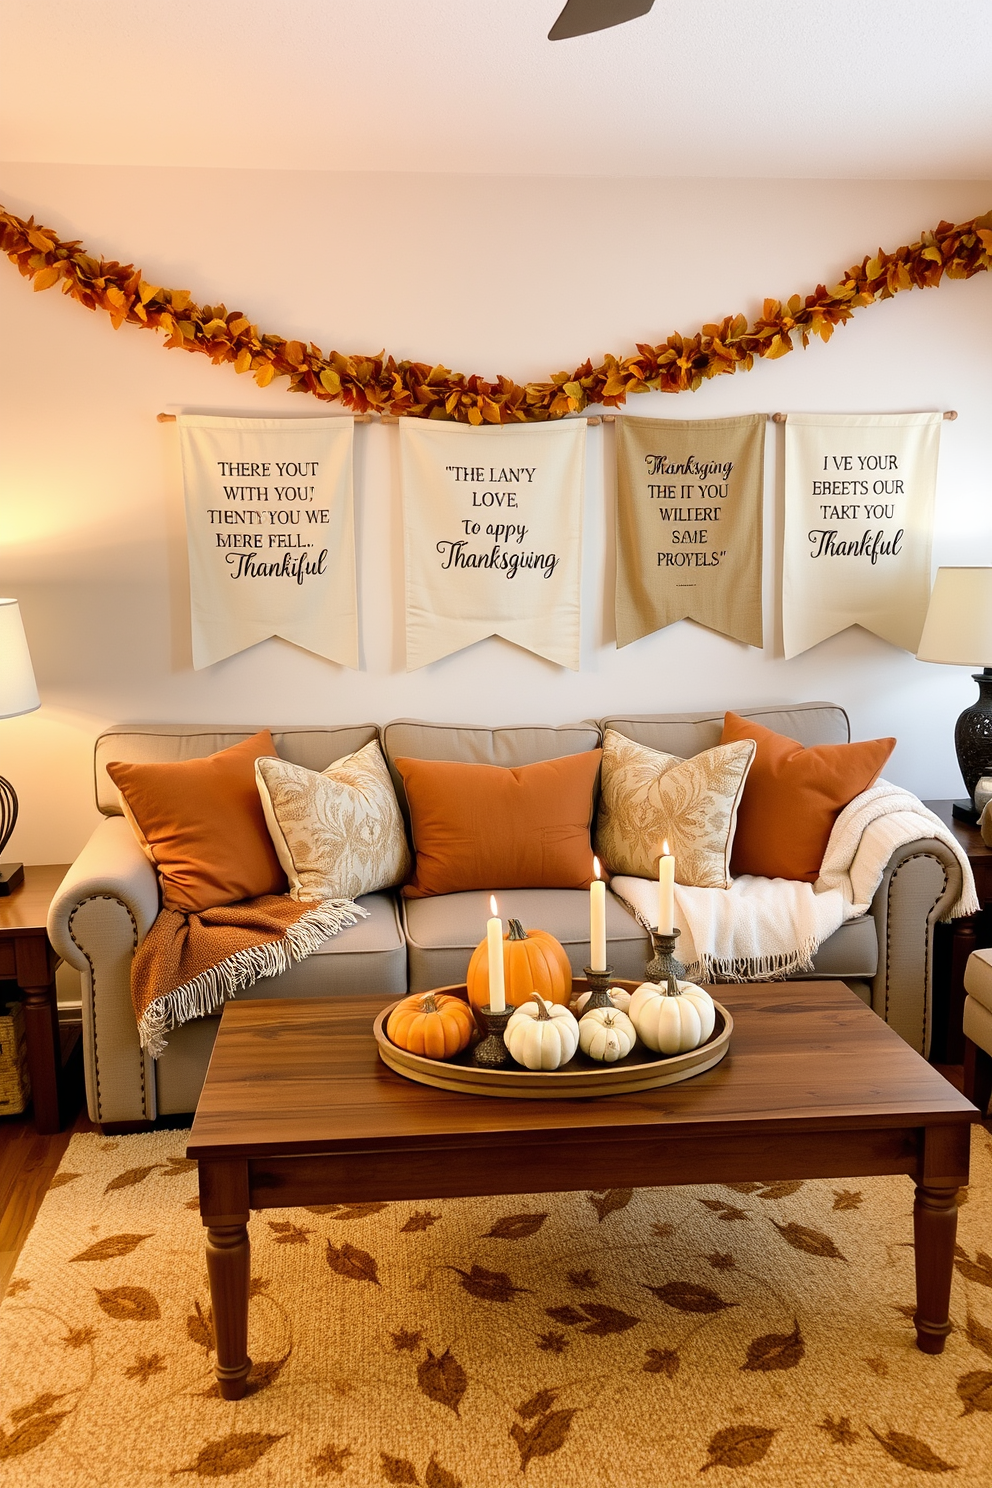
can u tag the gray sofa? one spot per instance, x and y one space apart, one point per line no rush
109 899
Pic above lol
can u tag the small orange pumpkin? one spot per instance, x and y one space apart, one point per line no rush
533 961
432 1024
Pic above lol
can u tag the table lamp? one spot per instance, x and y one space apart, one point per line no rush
958 632
18 694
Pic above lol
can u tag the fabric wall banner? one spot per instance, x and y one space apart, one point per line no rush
689 525
492 523
270 525
859 492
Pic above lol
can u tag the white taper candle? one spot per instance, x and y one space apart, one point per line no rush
666 892
494 937
597 922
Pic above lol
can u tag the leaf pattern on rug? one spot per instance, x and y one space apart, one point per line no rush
776 1351
144 1366
663 1229
437 1476
911 1452
128 1304
287 1233
232 1453
440 1377
536 1405
420 1219
404 1339
839 1431
600 1320
77 1338
490 1286
178 1165
552 1343
200 1326
739 1446
331 1460
130 1177
38 1406
810 1242
723 1210
978 1335
662 1361
61 1179
609 1200
975 1391
721 1260
515 1227
845 1199
359 1211
18 1285
398 1469
34 1433
348 1260
980 1269
548 1434
109 1249
582 1281
780 1190
687 1296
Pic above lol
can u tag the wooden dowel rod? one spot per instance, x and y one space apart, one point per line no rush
607 418
779 418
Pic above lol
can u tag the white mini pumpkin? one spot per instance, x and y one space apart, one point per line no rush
619 997
542 1035
670 1021
606 1034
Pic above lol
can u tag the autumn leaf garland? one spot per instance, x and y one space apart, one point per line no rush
417 390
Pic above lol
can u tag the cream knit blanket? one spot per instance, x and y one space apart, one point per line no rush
763 928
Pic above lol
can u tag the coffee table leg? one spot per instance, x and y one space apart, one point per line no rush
935 1226
224 1211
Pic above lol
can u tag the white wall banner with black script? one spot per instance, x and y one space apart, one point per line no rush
689 525
859 492
492 522
271 530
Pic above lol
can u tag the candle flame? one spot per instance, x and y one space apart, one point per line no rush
595 866
492 906
666 851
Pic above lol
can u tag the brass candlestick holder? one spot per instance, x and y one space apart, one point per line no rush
663 963
492 1052
598 981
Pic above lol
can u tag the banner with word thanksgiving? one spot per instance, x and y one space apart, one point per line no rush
271 534
492 524
859 492
689 525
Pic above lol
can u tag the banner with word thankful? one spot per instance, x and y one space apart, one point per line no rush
492 522
689 525
859 491
271 533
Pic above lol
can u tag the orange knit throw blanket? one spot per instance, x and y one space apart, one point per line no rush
188 965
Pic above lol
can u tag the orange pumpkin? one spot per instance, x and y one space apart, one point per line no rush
432 1024
533 961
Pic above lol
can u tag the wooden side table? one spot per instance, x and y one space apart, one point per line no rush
27 958
957 940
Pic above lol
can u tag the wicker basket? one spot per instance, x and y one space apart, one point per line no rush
15 1085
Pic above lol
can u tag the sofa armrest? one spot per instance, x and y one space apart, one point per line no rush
921 882
104 908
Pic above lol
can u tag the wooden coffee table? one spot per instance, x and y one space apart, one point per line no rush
298 1109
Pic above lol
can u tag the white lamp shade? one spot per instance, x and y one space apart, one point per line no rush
18 691
958 627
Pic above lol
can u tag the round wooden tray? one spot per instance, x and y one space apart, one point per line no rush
582 1076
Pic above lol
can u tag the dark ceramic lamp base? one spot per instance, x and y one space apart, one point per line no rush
973 742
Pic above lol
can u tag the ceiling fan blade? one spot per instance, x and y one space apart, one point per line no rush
582 16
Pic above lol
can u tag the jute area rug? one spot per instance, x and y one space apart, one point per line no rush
758 1334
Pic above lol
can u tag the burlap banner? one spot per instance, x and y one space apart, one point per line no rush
689 525
859 492
271 534
492 523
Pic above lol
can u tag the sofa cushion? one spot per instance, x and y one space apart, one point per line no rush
650 798
442 933
485 827
509 747
852 951
201 823
978 978
159 743
794 795
687 733
338 832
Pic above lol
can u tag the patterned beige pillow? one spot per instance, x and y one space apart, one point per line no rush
648 796
337 834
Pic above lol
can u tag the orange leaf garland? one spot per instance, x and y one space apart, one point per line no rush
418 390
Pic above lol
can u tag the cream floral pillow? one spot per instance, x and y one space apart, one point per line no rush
337 834
648 797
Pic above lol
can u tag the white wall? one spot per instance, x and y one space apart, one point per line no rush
486 274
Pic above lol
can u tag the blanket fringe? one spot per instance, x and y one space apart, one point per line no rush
754 968
212 988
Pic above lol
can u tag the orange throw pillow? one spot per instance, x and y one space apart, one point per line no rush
486 827
793 796
201 823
